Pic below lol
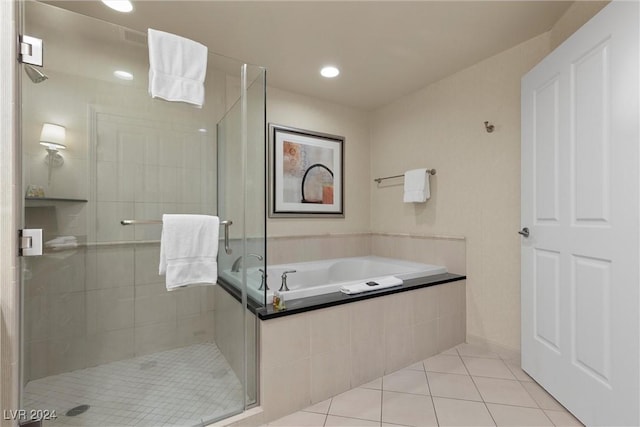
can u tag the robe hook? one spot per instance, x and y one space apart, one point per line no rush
489 127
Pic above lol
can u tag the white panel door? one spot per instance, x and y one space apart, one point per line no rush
580 196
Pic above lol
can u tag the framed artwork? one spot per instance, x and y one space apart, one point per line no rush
306 173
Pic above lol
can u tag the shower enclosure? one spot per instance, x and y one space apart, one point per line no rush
103 341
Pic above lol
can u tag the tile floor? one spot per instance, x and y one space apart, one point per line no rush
463 386
175 387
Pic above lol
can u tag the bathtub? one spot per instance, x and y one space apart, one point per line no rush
326 276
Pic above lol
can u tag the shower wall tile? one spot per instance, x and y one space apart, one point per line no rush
126 176
67 315
110 309
195 329
188 302
155 337
170 184
107 182
71 219
171 151
147 183
153 305
229 335
207 298
110 346
50 357
110 267
191 186
147 211
147 258
55 316
108 227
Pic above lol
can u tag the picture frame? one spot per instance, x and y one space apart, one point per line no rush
306 173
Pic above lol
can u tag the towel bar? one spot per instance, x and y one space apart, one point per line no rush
226 224
154 221
378 180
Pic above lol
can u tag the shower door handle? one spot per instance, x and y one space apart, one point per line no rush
227 224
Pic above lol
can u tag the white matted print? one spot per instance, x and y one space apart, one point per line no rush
306 172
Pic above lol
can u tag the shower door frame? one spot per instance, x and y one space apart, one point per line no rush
10 206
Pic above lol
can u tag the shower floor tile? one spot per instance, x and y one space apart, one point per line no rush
184 386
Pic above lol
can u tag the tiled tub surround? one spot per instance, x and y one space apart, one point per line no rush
311 356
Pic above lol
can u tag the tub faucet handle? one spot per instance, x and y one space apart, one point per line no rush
283 286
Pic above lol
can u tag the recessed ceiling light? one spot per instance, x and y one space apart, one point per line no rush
119 5
124 75
203 130
329 72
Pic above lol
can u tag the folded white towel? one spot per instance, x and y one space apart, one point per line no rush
416 186
188 250
177 68
371 285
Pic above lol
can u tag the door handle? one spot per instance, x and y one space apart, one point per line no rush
227 224
524 232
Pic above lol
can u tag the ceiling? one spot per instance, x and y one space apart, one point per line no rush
384 49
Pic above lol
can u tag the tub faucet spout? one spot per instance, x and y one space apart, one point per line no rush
238 262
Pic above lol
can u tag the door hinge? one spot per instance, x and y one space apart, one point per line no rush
30 242
30 51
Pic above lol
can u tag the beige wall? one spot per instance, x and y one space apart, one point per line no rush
476 192
289 109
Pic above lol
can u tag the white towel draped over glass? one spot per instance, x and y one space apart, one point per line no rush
177 68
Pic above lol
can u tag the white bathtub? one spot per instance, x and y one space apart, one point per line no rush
326 276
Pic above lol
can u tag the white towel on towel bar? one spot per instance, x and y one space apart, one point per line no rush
416 186
372 285
188 250
177 68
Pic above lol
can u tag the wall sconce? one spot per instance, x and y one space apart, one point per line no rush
52 138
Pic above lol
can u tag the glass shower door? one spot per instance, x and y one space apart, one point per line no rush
103 341
241 204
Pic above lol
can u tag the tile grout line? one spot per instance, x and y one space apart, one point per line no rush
326 416
435 412
539 407
381 397
477 389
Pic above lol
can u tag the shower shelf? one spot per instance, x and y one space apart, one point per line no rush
55 199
